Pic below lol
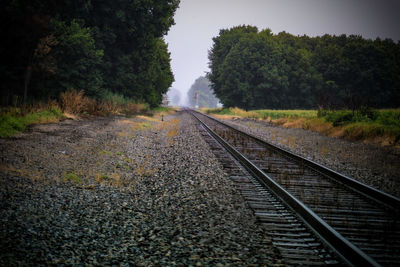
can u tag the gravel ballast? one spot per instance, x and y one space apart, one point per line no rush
123 191
374 165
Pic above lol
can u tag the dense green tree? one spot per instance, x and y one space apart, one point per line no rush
221 48
304 81
91 45
201 94
26 29
130 34
76 61
252 69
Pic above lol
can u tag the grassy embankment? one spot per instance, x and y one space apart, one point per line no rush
72 104
375 126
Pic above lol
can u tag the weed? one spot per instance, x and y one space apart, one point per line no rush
103 177
145 171
172 132
73 178
124 134
116 179
105 152
324 151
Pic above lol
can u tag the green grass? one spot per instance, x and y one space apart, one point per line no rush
73 178
264 113
384 117
105 152
116 98
12 123
277 114
105 177
161 109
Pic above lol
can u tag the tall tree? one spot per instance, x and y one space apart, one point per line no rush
252 69
222 45
136 59
77 61
92 45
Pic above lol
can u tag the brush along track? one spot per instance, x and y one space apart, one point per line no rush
360 223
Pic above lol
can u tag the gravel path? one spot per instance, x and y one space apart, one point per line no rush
119 191
370 164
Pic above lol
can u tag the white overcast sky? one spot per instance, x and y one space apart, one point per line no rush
198 21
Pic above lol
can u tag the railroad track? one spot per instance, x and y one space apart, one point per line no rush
355 222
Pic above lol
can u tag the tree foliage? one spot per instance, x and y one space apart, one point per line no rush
98 46
257 69
205 95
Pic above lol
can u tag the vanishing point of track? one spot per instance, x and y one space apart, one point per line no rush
360 224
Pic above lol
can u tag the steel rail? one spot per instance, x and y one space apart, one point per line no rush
345 249
363 189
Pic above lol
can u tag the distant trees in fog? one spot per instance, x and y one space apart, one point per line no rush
204 94
174 97
258 69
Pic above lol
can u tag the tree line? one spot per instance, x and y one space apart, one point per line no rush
254 69
97 46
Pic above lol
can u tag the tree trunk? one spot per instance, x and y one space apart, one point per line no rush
28 75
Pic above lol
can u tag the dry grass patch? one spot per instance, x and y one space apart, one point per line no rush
128 122
383 140
336 132
317 125
280 121
147 118
298 123
170 128
145 168
124 134
167 124
290 142
132 127
73 102
35 176
225 117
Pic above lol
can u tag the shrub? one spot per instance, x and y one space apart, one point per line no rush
136 108
390 117
73 101
339 118
10 125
